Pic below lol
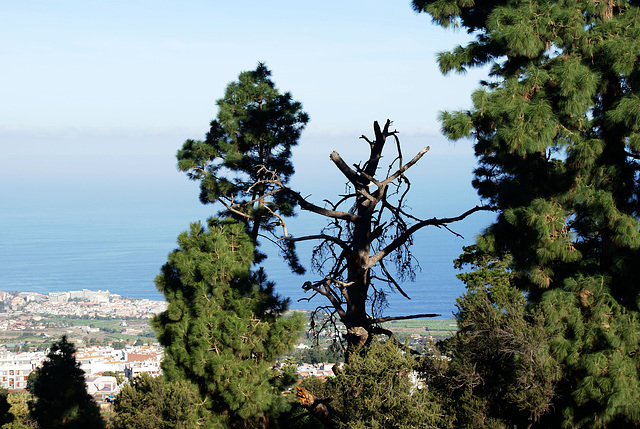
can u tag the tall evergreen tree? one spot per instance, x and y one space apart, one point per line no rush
557 136
255 131
223 327
60 392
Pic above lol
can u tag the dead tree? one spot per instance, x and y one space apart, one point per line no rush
368 232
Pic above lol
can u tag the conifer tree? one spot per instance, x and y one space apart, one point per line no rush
365 250
557 137
254 132
223 328
148 402
379 388
60 392
5 406
496 370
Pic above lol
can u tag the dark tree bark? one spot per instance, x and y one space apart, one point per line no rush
354 247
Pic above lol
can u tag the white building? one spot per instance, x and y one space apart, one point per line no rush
145 359
102 387
100 359
15 368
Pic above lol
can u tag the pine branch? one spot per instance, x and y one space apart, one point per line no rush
392 280
351 175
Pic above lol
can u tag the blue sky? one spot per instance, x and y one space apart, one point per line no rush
103 93
107 91
161 64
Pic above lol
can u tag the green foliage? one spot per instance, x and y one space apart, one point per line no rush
380 388
223 328
119 375
249 145
19 410
60 392
149 403
316 354
496 371
118 345
597 340
556 135
5 406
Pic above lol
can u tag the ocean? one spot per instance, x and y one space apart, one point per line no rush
122 251
63 227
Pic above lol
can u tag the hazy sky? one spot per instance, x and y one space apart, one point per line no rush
103 93
96 97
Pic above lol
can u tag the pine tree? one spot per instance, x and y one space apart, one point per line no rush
380 388
557 137
496 371
60 392
5 406
364 252
223 328
148 402
253 135
19 402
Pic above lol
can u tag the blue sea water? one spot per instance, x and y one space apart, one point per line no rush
104 232
122 251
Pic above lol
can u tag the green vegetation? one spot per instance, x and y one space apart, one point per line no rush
151 402
547 333
378 388
223 328
60 398
495 371
557 137
317 354
18 417
247 151
110 330
5 407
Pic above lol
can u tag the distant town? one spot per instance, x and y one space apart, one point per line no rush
114 341
80 303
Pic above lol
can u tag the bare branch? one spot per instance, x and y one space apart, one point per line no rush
326 291
365 138
395 137
366 176
392 280
330 238
308 298
413 316
392 336
407 166
351 175
399 240
282 222
232 208
452 231
304 204
335 214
